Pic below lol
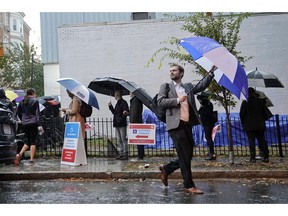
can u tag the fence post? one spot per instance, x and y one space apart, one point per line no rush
279 135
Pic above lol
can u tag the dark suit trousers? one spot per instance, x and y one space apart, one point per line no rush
183 140
208 136
140 149
263 146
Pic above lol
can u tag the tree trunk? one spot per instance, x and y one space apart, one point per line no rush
229 130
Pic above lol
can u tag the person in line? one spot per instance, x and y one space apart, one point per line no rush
181 116
73 112
135 116
206 114
29 114
120 123
5 103
252 117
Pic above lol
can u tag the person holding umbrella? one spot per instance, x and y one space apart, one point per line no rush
252 117
73 112
181 115
5 102
120 112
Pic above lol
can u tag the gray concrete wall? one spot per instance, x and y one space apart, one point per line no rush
123 50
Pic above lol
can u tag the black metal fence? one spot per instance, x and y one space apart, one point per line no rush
101 141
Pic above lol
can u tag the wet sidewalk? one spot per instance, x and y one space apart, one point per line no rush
109 168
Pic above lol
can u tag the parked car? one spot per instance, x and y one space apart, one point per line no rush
8 144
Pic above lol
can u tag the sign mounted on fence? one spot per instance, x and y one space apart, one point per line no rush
73 151
141 134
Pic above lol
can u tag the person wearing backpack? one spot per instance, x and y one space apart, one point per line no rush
73 112
181 116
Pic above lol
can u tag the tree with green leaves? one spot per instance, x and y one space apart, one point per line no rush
21 68
223 28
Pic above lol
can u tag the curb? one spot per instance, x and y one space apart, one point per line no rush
144 175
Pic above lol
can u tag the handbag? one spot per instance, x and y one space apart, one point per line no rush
267 113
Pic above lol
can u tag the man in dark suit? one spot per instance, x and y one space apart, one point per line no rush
252 116
135 116
181 115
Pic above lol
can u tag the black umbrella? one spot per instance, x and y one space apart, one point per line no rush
262 95
108 86
258 78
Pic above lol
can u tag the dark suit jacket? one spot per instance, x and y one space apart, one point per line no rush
136 108
252 114
169 102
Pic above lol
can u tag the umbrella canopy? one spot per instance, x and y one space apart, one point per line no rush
80 91
21 94
11 95
108 86
230 74
262 95
258 78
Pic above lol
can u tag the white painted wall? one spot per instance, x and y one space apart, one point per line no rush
120 50
51 74
123 50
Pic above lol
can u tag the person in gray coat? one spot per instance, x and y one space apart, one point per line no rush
181 116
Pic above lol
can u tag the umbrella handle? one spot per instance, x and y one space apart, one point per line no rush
211 71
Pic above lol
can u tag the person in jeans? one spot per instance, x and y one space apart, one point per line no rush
29 114
120 123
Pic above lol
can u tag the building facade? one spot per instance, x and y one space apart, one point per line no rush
123 49
13 30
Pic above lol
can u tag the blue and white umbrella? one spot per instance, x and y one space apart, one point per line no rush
230 74
80 91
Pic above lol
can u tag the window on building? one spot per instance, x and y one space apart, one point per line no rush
140 16
21 27
14 25
6 19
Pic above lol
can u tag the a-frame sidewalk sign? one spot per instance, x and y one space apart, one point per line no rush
73 151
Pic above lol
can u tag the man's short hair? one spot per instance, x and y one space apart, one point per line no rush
180 68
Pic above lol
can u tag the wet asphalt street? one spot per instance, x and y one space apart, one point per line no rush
93 191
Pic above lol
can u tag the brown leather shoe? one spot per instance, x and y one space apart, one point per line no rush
164 176
193 190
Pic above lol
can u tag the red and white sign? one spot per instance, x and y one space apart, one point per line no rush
141 134
73 151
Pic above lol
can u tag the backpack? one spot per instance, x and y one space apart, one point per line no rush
159 112
85 110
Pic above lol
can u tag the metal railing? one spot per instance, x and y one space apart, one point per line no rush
101 141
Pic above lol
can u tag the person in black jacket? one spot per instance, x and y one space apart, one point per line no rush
252 117
135 116
206 114
29 114
120 123
5 103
